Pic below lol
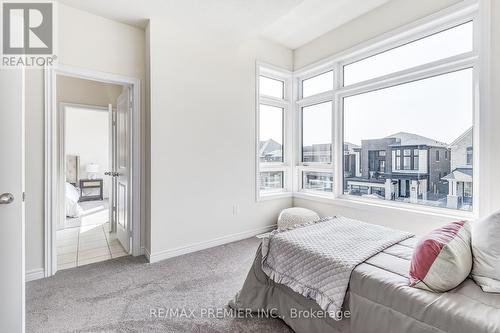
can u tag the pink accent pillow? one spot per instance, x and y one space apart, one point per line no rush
442 259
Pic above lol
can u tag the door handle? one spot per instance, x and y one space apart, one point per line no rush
115 174
108 173
6 198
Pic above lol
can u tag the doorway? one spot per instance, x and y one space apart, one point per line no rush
93 197
87 233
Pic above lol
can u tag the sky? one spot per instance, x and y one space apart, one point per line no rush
439 108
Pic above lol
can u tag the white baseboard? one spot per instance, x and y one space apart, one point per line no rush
166 254
35 274
146 253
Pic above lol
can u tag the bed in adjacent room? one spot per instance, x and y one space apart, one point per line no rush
72 193
378 297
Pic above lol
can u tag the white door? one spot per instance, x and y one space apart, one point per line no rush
112 167
11 201
121 172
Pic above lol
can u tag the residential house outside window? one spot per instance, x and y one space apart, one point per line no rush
410 118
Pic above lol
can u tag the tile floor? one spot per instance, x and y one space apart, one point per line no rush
89 243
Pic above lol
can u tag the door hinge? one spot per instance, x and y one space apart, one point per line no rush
24 196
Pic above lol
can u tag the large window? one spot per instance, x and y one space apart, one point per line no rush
272 109
390 121
317 133
417 120
316 116
271 133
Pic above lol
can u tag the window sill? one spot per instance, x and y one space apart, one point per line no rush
356 202
273 196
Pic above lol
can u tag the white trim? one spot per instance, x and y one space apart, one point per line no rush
146 253
166 254
52 209
35 274
360 203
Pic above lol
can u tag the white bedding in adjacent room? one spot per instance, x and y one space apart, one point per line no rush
73 209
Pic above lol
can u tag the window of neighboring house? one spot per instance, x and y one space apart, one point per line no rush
469 155
272 108
407 159
415 159
437 155
381 165
398 159
316 122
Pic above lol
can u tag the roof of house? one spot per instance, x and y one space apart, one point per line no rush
461 137
410 139
350 146
461 174
268 146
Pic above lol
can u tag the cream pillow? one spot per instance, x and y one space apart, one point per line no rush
291 217
486 252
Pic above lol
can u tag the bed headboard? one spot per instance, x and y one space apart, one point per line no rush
73 169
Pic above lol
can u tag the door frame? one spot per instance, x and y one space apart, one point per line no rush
53 184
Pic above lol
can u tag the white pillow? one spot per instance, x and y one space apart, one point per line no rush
486 252
292 216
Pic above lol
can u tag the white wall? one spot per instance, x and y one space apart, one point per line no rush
374 23
87 135
87 92
86 41
383 19
419 224
202 134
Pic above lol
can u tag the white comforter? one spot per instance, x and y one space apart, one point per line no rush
316 260
73 209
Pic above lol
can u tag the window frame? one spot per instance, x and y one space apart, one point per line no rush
435 23
272 72
479 60
302 102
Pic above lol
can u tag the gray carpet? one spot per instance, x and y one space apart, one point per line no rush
118 295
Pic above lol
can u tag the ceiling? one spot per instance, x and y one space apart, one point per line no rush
291 23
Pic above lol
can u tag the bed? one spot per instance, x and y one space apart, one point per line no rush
72 193
378 300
